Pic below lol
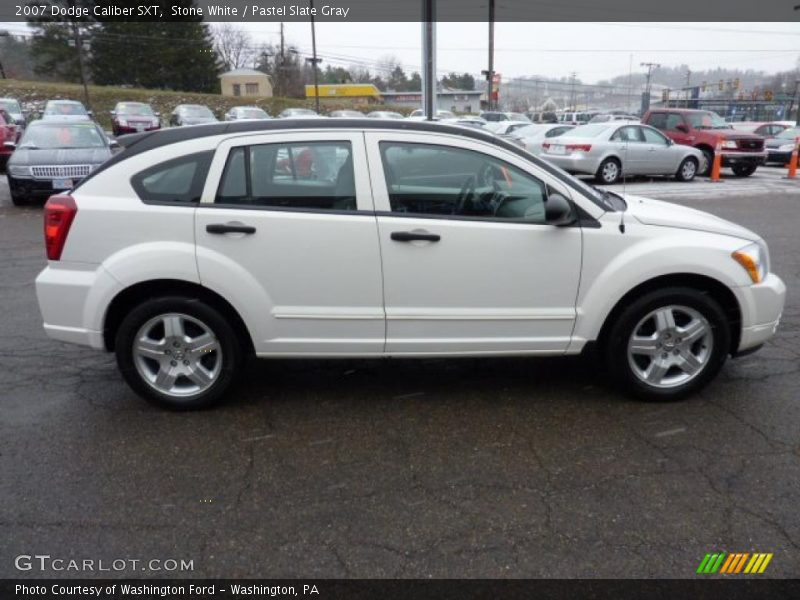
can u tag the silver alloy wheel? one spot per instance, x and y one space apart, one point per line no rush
610 172
670 346
177 355
689 169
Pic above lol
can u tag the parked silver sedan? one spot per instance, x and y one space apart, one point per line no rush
531 137
610 150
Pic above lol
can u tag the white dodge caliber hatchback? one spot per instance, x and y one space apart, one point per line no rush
194 248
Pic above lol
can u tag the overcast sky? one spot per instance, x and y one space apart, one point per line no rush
593 50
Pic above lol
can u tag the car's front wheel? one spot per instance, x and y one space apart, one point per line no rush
668 344
178 352
744 170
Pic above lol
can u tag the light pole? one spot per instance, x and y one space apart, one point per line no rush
646 98
3 33
314 60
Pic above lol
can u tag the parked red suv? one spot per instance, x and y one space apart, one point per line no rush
741 151
8 133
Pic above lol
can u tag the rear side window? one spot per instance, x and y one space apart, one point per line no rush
179 180
657 120
316 176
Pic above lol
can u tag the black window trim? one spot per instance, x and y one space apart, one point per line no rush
304 209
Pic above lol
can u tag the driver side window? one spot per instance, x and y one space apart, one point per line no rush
425 179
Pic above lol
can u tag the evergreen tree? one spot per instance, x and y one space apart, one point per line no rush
53 44
174 53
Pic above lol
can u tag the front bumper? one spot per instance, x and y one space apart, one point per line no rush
28 187
775 156
577 162
732 159
762 306
122 130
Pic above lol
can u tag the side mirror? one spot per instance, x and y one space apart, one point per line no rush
158 114
113 144
10 145
90 113
558 211
113 113
682 127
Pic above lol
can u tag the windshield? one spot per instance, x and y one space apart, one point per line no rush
707 120
300 111
65 108
43 135
590 130
197 111
135 110
253 113
11 106
789 134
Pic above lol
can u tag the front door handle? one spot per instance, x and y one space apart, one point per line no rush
411 236
230 228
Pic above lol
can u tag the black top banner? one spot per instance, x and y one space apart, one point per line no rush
404 10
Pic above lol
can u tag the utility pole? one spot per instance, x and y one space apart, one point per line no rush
3 33
688 85
646 96
572 76
78 41
314 60
429 59
489 73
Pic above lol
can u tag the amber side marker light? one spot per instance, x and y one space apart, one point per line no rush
749 264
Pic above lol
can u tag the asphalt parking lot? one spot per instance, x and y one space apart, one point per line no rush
435 468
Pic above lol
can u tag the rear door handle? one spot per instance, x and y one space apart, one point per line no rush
411 236
229 228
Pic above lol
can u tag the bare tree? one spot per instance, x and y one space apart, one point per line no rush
234 46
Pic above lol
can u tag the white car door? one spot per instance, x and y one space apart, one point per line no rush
286 228
469 265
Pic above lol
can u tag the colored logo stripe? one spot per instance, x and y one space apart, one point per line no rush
736 562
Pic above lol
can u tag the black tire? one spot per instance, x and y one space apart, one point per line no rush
615 345
705 169
744 170
603 177
230 348
18 200
685 172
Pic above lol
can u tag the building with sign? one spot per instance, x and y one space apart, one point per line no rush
460 101
359 93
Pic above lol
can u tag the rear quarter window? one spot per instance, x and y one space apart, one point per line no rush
176 181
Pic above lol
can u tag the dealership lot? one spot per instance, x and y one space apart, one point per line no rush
442 468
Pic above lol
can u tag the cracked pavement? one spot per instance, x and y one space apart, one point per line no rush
434 468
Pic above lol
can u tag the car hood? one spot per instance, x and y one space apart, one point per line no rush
778 142
665 214
28 157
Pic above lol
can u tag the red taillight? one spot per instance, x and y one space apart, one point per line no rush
579 147
58 215
545 145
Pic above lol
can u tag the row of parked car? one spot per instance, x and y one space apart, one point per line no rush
677 142
63 146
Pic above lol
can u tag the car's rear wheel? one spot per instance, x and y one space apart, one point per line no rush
668 344
744 170
609 171
687 169
707 162
178 352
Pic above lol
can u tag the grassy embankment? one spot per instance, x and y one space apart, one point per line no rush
103 98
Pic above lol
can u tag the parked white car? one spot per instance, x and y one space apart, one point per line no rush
196 247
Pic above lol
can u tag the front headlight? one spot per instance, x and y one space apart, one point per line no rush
122 122
730 144
786 148
19 171
755 260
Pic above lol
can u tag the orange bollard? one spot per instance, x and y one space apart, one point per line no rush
793 161
716 167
